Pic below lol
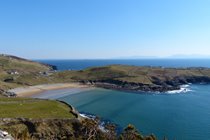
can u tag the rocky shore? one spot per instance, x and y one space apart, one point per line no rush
5 136
158 86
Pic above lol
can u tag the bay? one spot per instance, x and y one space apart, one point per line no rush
181 115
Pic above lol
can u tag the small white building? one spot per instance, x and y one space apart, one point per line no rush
13 72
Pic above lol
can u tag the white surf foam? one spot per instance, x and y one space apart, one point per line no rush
183 89
101 124
87 116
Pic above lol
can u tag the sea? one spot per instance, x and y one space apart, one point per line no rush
182 115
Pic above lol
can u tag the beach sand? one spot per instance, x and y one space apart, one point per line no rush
48 89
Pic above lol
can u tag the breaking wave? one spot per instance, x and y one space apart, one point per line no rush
183 89
102 123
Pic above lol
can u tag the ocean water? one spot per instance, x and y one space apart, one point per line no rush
82 64
181 115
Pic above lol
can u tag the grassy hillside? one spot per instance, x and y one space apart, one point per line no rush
15 71
12 63
134 74
136 78
33 108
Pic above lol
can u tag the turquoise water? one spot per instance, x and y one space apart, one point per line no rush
184 116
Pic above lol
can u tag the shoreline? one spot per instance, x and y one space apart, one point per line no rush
31 91
54 91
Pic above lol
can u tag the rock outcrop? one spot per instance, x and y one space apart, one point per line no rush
5 136
37 129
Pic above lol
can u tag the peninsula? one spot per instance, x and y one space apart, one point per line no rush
17 72
134 78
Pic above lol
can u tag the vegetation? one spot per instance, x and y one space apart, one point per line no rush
89 130
20 65
67 129
15 72
13 69
135 74
46 119
123 77
33 108
131 133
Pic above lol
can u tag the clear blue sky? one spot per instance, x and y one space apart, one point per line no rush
65 29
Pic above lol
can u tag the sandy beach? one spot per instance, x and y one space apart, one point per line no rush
35 91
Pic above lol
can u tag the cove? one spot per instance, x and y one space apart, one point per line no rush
182 116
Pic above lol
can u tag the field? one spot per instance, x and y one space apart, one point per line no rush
33 108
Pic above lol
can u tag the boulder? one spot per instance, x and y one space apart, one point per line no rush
5 136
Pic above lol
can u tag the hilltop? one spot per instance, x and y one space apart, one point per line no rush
17 72
9 64
136 78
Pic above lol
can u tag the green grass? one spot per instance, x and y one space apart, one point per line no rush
29 74
27 70
125 73
21 65
33 108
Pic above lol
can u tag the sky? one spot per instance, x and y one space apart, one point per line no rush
104 29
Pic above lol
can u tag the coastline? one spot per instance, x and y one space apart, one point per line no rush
34 91
58 90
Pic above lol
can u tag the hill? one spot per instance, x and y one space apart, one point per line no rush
13 68
16 72
134 78
12 64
